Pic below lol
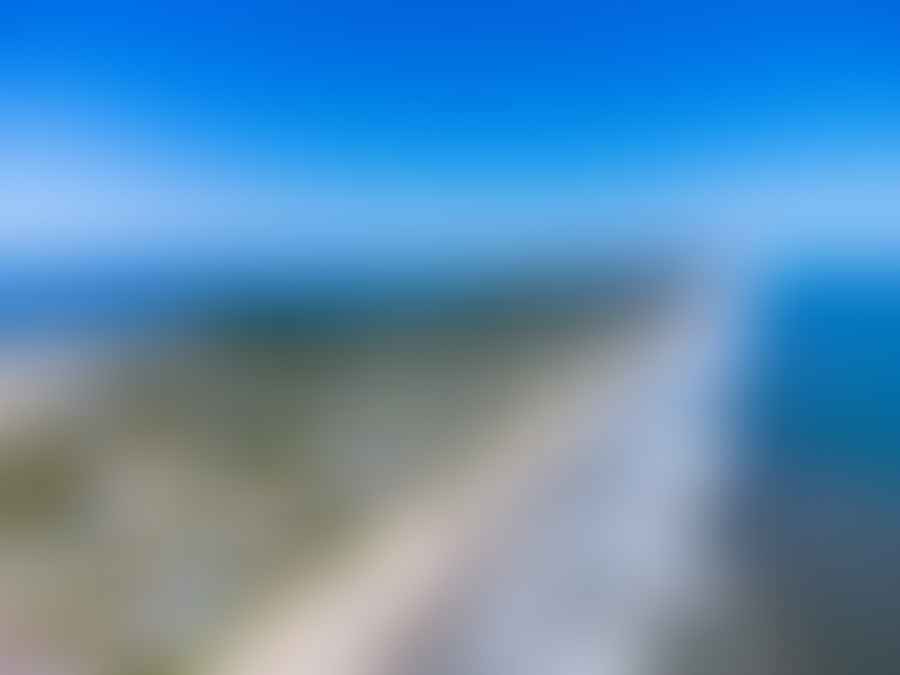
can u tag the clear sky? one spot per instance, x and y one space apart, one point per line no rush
302 128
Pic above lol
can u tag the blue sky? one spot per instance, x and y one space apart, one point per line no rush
312 127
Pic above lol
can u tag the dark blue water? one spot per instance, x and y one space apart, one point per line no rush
824 436
828 374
